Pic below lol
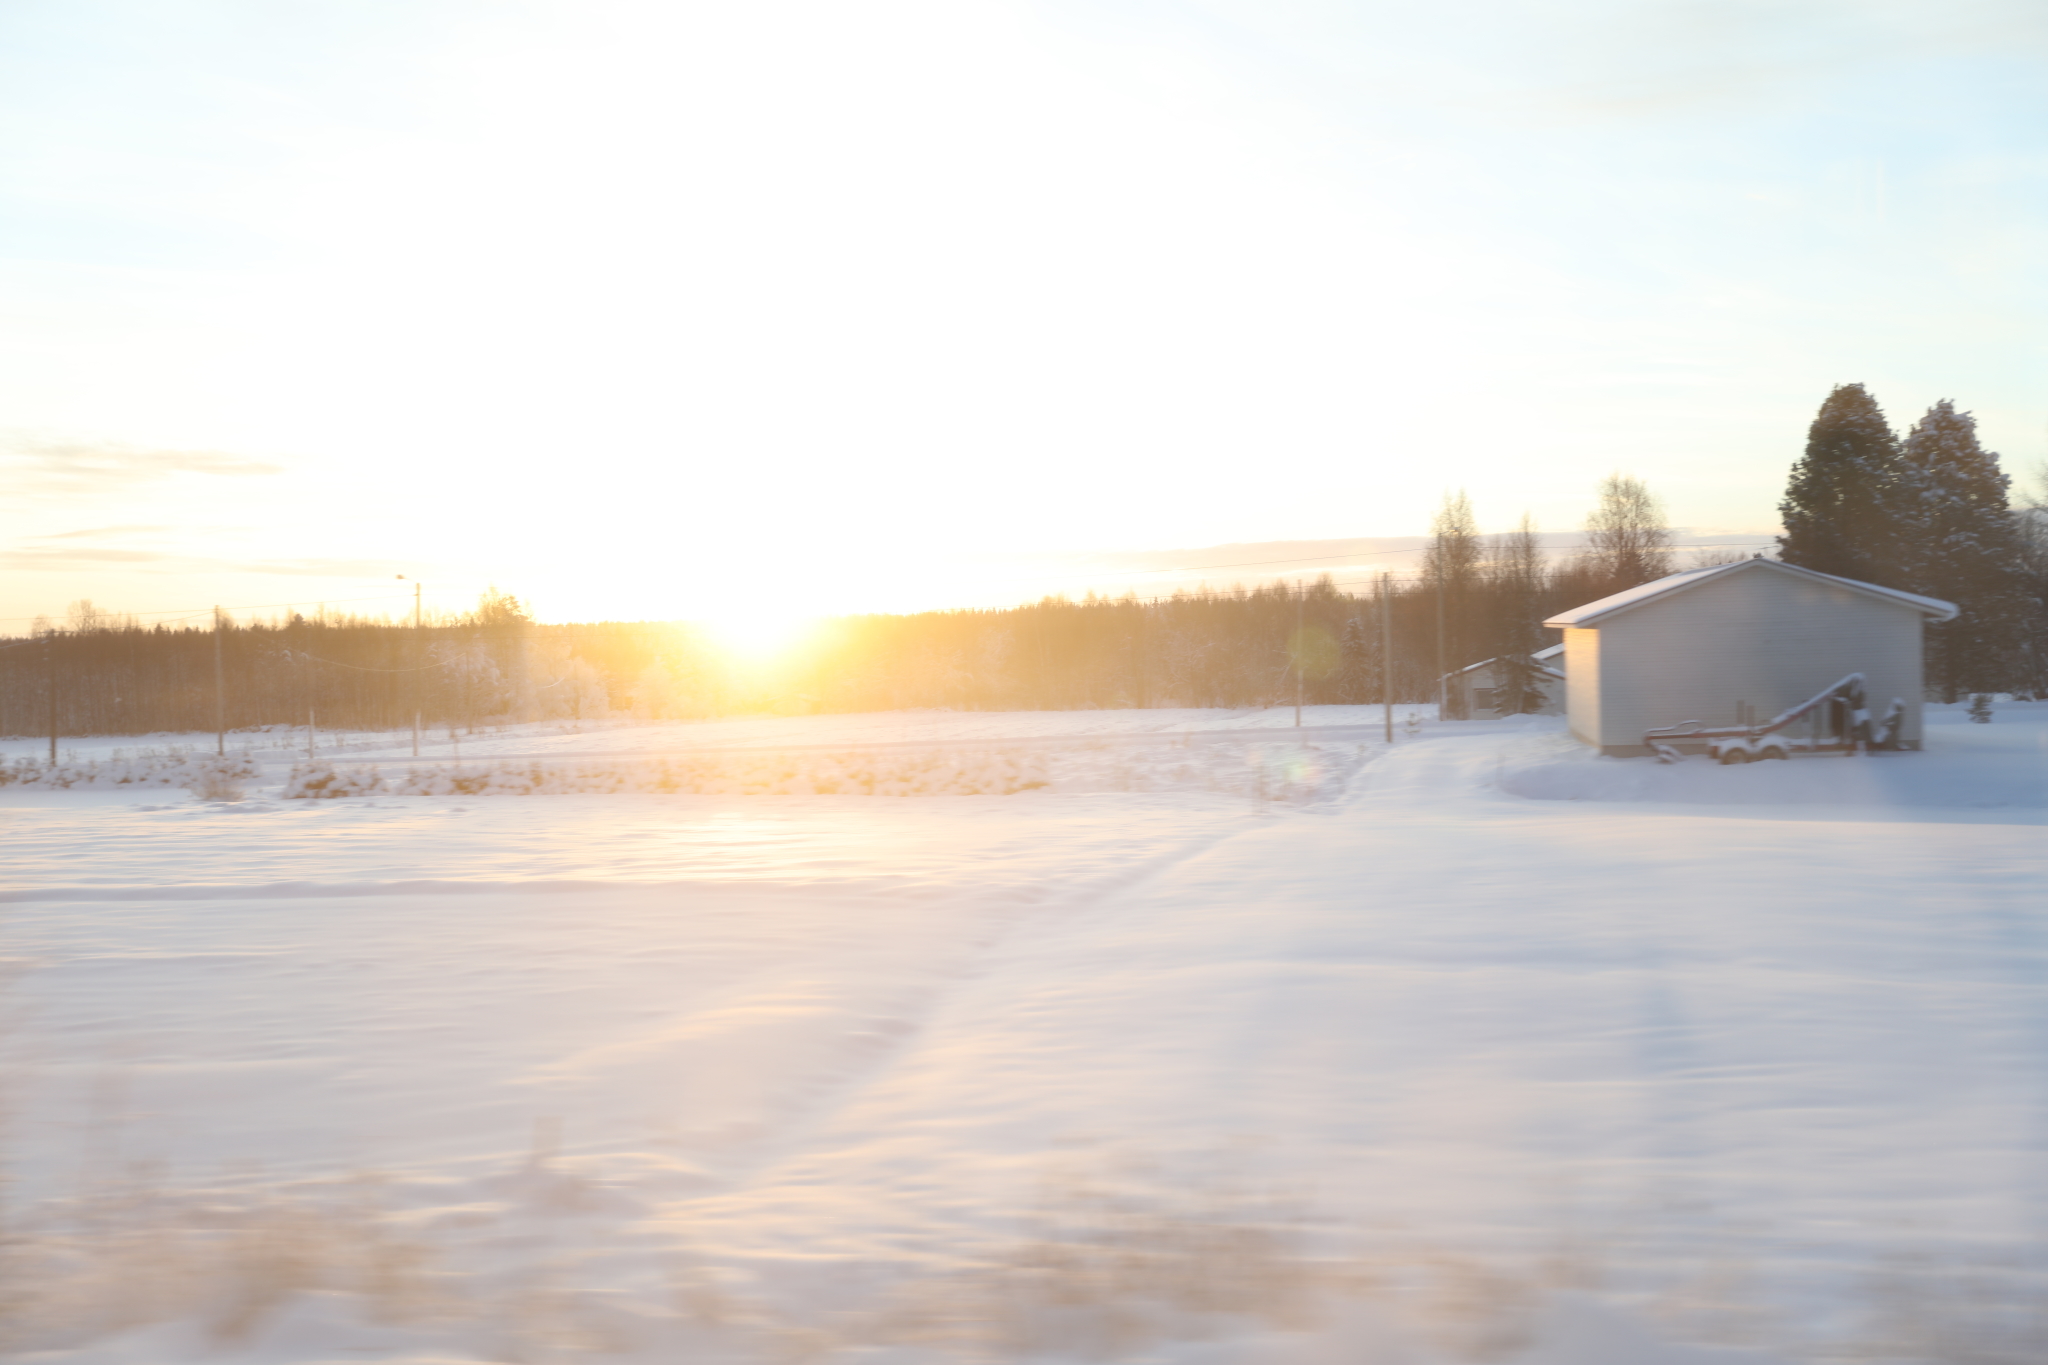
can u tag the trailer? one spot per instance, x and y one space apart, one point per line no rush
1837 721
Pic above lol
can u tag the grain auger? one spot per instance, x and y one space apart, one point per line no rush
1838 720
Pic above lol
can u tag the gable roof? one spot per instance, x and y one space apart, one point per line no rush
1630 598
1540 668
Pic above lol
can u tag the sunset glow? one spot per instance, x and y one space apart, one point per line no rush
760 634
499 295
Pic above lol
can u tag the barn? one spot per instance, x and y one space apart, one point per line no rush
1734 647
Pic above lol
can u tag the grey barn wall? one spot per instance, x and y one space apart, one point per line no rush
1582 683
1769 639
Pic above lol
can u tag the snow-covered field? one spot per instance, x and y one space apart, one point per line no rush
1216 1047
615 738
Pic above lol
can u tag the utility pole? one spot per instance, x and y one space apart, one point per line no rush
1441 666
417 666
306 675
1144 681
50 686
302 631
1300 645
220 693
1387 656
418 677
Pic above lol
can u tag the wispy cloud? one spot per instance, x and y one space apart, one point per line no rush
79 557
41 465
102 532
379 569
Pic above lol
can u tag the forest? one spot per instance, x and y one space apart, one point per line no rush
1474 598
1928 514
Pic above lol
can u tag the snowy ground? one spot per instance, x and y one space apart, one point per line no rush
1466 1041
560 739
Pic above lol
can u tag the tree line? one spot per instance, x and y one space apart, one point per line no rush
1928 514
1239 647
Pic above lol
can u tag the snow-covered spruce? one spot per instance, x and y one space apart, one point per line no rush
1968 551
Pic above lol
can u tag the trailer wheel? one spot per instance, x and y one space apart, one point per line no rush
1734 753
1773 751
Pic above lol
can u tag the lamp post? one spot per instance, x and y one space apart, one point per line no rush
416 665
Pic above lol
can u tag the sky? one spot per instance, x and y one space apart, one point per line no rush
743 311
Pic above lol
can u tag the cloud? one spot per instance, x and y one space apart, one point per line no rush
108 531
39 465
362 569
81 558
75 557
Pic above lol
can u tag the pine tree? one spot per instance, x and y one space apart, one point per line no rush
2032 520
1518 686
1850 508
1970 552
1518 586
1450 565
1358 666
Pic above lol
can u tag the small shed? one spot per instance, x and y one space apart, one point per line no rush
1735 645
1469 693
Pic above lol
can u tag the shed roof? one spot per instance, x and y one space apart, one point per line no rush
1540 668
1629 598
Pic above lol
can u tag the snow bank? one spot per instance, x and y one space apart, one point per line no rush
850 730
827 774
1271 770
208 775
1962 767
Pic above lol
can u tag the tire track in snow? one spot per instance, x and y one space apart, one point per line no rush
803 1128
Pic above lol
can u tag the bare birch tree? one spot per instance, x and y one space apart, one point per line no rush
1628 542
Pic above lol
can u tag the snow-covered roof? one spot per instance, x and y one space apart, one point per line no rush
1629 598
1459 672
1550 653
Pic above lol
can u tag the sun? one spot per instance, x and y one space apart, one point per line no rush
758 633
